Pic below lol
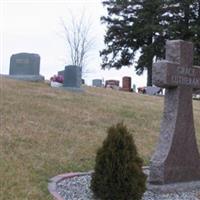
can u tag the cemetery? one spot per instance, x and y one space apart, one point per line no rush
175 164
100 100
61 130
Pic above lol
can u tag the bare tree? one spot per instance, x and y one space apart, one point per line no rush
79 40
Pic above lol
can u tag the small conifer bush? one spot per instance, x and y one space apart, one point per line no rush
118 171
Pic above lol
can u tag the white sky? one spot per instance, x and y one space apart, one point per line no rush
34 26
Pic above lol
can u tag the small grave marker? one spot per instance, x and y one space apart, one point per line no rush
97 83
176 158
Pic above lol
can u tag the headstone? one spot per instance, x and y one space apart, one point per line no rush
25 66
176 158
112 84
61 73
126 83
97 83
72 78
134 88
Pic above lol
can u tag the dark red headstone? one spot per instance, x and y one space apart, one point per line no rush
126 83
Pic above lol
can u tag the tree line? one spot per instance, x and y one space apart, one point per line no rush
143 26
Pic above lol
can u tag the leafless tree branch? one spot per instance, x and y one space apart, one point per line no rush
79 41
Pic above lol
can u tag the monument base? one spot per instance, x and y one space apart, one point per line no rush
174 187
72 89
177 187
162 173
34 78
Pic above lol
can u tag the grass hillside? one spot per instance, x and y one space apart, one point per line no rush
46 131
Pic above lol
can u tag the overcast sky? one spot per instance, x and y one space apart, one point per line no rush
34 26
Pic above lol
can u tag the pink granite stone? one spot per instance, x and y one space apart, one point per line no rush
176 158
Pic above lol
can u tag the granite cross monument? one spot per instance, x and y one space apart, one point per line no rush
176 158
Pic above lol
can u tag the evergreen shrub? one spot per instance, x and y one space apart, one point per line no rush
118 171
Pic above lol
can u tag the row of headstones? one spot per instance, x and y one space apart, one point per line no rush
75 79
126 86
26 66
126 83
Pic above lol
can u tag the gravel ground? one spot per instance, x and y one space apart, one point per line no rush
78 188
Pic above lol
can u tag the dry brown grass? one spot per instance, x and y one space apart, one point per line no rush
47 131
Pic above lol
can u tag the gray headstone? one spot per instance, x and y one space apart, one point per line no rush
61 73
97 83
72 77
176 158
25 66
134 88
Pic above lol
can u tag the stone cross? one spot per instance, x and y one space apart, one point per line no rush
176 158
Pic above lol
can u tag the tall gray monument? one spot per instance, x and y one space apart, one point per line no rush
176 158
72 78
25 66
